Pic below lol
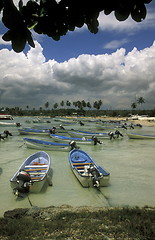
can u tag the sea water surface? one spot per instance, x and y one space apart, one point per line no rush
131 164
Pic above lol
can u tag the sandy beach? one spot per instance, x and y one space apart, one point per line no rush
150 122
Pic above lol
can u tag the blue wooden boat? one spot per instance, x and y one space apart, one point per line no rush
86 170
79 141
33 131
32 174
78 133
140 136
47 145
100 136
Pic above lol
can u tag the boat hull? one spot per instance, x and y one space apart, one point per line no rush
80 161
86 181
81 134
38 173
139 136
6 117
79 141
45 145
8 124
33 132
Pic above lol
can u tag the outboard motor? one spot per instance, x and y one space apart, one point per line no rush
118 134
81 123
73 145
52 130
111 135
61 127
95 139
24 183
7 133
124 126
95 176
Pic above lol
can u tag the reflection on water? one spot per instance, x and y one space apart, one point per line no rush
130 162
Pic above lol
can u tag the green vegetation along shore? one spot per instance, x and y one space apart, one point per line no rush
70 223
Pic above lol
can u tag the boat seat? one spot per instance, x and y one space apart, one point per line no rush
37 173
35 169
78 167
36 178
36 166
78 163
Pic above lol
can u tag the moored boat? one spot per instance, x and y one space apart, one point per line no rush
86 170
79 133
83 140
33 131
140 136
32 174
5 116
9 124
100 136
47 145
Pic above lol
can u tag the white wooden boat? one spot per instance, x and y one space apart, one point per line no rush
5 116
9 124
86 170
32 174
47 145
86 134
140 136
33 131
79 141
100 136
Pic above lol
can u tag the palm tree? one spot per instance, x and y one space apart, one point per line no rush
140 100
62 103
46 104
68 103
75 104
79 104
133 106
100 103
88 105
97 104
55 105
83 103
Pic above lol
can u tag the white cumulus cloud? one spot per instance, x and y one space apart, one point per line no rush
27 79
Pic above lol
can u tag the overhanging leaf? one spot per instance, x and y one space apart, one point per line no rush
7 36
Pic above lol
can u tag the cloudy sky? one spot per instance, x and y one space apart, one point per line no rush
115 65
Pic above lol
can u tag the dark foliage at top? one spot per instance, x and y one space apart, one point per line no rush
55 19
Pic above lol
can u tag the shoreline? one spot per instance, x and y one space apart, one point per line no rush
66 222
144 121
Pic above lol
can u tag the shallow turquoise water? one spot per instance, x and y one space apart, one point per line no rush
131 164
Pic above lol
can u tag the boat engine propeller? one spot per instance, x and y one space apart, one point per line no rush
23 183
95 175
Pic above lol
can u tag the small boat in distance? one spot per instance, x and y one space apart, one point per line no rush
79 141
33 131
32 174
100 136
47 145
9 124
87 171
5 116
140 136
